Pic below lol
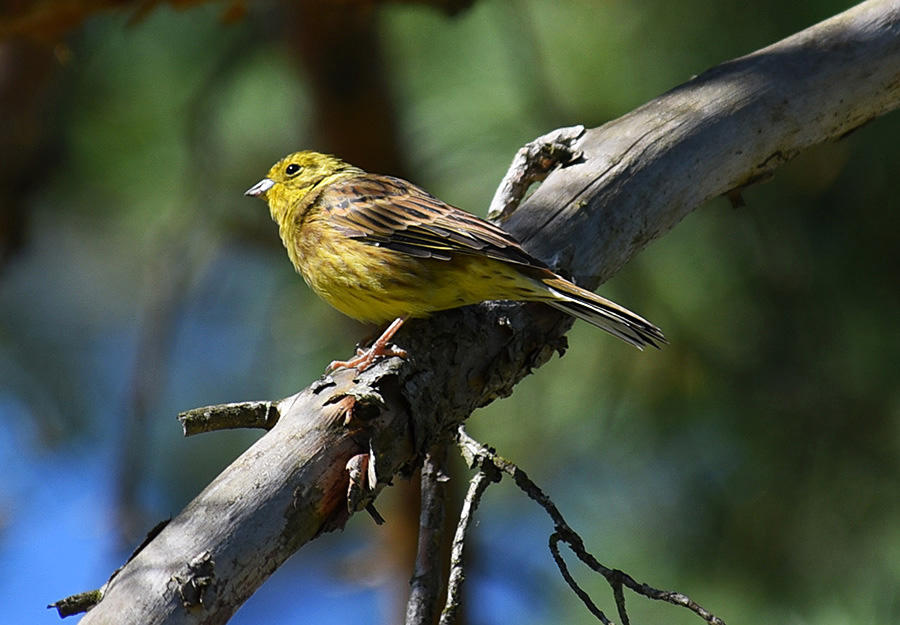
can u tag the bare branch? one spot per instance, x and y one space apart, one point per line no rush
77 604
555 539
484 456
531 164
425 585
721 131
477 485
248 414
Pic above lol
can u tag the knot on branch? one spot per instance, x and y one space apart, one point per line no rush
197 583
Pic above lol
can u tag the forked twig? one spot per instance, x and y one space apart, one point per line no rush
490 468
555 539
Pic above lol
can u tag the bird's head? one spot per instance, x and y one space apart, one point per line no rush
293 177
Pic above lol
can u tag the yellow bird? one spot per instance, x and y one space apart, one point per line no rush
379 248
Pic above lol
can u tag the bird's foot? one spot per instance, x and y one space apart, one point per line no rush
380 348
365 358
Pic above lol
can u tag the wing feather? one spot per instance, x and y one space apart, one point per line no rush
395 214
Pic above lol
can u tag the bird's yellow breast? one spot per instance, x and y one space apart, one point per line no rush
376 285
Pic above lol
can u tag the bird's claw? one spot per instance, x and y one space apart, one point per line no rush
365 358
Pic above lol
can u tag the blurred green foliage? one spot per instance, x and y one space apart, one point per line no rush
752 463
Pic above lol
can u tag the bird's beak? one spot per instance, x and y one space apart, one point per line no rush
260 187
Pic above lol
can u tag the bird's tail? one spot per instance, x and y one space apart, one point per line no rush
599 311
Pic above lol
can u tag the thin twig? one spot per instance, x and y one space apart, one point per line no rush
480 455
248 414
555 539
425 585
619 596
485 476
669 596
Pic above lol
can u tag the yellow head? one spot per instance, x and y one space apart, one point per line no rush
293 177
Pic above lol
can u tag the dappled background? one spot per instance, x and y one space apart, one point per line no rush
752 464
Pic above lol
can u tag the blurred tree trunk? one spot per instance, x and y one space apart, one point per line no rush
340 51
26 80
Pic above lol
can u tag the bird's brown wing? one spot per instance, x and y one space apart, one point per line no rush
395 214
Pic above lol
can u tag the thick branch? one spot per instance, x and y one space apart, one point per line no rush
723 130
288 488
640 175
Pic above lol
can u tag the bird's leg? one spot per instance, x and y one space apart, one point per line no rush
365 357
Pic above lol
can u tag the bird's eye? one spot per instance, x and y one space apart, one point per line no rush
292 169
